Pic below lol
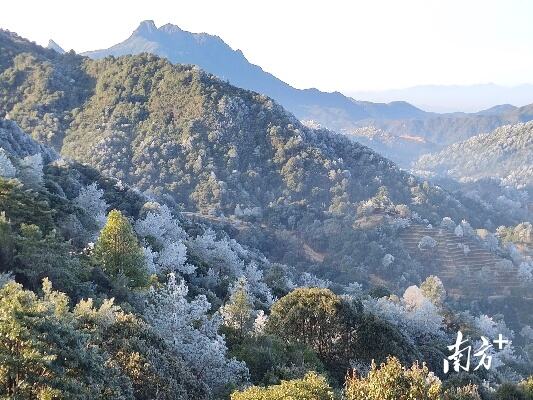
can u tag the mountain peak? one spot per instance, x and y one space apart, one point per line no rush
54 46
214 55
146 27
170 28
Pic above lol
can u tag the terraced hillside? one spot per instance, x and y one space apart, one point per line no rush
473 273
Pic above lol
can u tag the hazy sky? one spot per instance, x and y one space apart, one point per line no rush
332 45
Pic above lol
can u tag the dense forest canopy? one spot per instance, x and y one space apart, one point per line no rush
164 234
504 153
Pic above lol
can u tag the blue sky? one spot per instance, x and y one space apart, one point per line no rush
332 45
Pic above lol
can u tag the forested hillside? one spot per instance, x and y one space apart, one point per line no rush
109 294
213 55
177 132
121 276
505 153
446 129
413 131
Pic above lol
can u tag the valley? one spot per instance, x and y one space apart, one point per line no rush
177 223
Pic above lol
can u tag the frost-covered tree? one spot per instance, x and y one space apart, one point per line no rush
149 259
467 229
414 297
90 199
6 277
31 171
258 289
427 243
514 253
172 256
223 255
7 169
400 223
415 315
260 322
354 290
311 281
162 230
527 332
491 328
160 224
525 271
491 242
193 333
387 260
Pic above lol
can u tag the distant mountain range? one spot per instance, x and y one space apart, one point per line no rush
211 53
446 129
453 98
410 131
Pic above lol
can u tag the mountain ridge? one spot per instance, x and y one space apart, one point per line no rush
454 98
333 110
221 60
179 133
504 153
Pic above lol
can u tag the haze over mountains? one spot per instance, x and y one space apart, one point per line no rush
411 130
454 98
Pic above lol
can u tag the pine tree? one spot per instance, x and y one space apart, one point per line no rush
238 312
118 251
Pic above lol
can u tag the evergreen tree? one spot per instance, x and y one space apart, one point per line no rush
44 353
118 251
238 312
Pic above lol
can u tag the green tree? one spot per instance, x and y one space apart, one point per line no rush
511 391
6 244
238 311
434 290
45 355
311 387
377 339
391 381
269 359
25 205
118 251
39 256
309 316
320 319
